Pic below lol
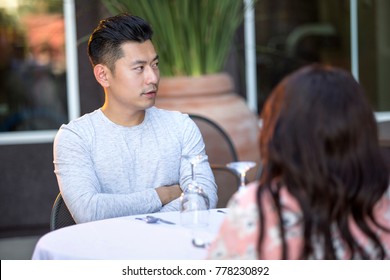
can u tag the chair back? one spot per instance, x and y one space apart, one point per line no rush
219 147
60 216
227 181
220 150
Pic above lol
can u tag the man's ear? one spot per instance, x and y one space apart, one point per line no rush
101 73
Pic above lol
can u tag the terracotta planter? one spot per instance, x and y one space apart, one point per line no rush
213 96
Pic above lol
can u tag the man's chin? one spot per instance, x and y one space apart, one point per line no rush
150 103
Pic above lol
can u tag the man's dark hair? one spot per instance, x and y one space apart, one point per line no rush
104 45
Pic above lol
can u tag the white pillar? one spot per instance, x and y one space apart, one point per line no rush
71 60
250 55
354 39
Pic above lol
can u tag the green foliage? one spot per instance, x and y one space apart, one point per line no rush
192 37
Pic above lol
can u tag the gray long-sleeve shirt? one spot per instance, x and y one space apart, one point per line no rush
105 170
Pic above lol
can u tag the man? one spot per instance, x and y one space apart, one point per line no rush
128 157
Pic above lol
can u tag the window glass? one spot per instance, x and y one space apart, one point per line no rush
33 89
374 51
290 34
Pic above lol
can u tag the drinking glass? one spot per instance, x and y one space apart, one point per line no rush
195 205
241 167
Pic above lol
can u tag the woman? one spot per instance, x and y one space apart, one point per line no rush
323 192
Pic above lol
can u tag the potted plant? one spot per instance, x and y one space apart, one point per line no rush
193 39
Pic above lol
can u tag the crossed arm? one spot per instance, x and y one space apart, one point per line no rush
168 193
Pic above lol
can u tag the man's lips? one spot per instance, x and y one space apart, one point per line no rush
151 93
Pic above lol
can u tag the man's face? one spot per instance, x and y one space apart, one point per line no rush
134 82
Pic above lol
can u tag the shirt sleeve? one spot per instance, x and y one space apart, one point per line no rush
80 186
174 205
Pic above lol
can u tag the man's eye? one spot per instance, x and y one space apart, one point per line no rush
139 68
155 65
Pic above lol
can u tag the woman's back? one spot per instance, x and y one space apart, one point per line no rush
240 230
322 167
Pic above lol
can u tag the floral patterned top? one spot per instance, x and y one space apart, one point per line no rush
239 232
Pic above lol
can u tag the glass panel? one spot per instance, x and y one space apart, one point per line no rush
374 51
291 34
33 88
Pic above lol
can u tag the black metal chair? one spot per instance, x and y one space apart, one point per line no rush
219 147
220 150
227 181
60 216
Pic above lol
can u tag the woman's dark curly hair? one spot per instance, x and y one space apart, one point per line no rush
319 140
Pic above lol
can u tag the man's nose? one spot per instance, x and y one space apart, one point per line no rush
152 75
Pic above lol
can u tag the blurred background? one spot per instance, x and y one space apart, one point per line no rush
46 80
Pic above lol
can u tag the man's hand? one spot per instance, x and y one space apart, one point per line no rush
168 193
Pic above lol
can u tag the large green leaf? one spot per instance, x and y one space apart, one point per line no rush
192 37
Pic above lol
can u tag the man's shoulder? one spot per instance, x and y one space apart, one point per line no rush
164 114
82 127
83 121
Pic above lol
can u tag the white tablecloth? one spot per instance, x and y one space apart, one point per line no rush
126 238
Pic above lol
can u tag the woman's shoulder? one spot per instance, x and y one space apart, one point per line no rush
383 205
247 194
245 198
